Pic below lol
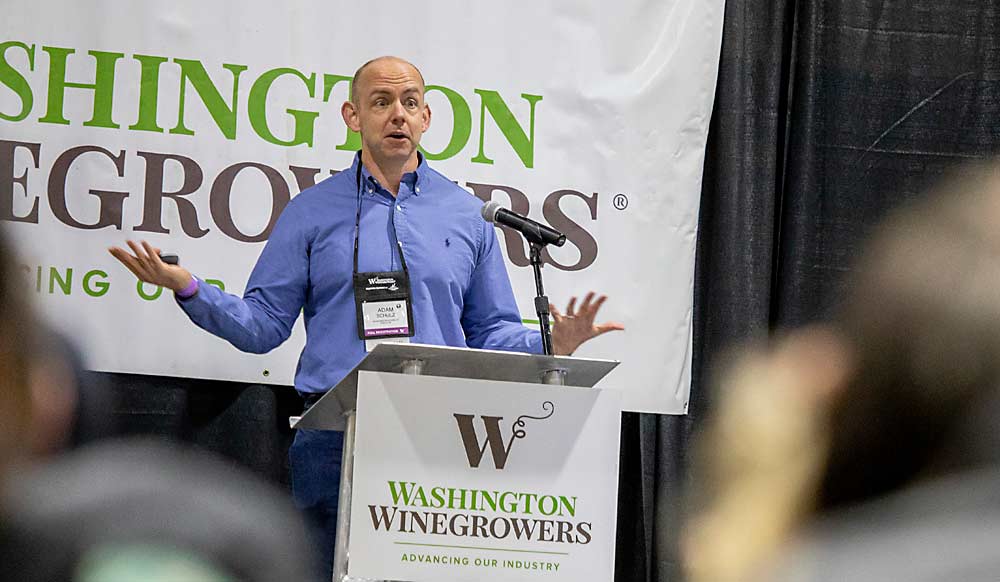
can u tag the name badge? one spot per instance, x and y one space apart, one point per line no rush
385 318
384 308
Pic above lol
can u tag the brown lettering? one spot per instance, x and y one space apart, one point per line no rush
8 150
565 531
220 199
438 524
573 231
479 527
545 530
153 195
494 440
110 213
497 521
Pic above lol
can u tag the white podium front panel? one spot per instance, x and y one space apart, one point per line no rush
459 479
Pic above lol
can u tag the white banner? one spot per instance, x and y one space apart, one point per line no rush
190 124
474 480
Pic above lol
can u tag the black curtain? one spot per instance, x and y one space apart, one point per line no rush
827 115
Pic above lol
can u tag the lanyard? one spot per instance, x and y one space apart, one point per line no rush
357 226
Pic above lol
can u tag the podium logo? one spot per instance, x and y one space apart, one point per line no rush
500 450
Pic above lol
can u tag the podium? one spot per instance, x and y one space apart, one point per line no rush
446 373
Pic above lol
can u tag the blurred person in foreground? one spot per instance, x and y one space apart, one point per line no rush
117 511
151 512
868 448
48 402
71 407
16 330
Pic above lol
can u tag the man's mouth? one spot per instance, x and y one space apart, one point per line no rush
398 135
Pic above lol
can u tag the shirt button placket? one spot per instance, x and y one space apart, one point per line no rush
400 223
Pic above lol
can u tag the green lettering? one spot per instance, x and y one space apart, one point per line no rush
527 497
505 506
64 284
141 290
103 87
305 121
569 504
523 144
149 89
461 128
456 495
437 494
490 500
223 114
100 287
403 492
216 283
419 497
353 141
13 79
548 505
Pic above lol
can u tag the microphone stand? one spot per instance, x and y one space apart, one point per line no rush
541 301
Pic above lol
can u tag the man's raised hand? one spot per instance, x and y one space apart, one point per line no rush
145 263
577 325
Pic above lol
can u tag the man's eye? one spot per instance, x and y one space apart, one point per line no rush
411 103
380 102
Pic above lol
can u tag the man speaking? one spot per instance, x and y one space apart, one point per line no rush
388 248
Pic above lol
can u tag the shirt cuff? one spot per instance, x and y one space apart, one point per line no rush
535 343
189 291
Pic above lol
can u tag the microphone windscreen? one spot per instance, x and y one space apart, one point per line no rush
489 211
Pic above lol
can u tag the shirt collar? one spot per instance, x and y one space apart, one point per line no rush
415 179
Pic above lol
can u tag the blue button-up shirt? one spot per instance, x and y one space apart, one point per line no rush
461 292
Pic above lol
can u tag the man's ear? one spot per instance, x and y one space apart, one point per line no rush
350 114
427 117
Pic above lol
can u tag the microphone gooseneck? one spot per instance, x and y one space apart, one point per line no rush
538 235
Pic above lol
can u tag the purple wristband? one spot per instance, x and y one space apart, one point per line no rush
188 291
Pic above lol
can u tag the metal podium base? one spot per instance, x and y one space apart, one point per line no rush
340 556
336 410
555 376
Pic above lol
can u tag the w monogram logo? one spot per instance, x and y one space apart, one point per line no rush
494 437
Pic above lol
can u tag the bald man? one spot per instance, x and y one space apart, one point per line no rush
389 217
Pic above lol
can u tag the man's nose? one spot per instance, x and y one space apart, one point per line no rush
398 111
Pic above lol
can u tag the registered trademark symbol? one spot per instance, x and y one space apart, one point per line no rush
620 201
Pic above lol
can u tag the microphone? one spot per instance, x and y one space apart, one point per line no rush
535 232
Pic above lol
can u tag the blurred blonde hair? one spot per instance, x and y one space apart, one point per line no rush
879 398
759 462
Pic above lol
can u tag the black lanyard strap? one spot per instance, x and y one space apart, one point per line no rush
357 226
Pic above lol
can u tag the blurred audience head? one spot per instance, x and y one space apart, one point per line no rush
146 510
48 402
16 331
922 321
900 387
117 511
72 407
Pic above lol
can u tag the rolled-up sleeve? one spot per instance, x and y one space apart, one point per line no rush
263 317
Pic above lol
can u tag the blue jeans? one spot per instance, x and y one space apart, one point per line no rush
314 459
